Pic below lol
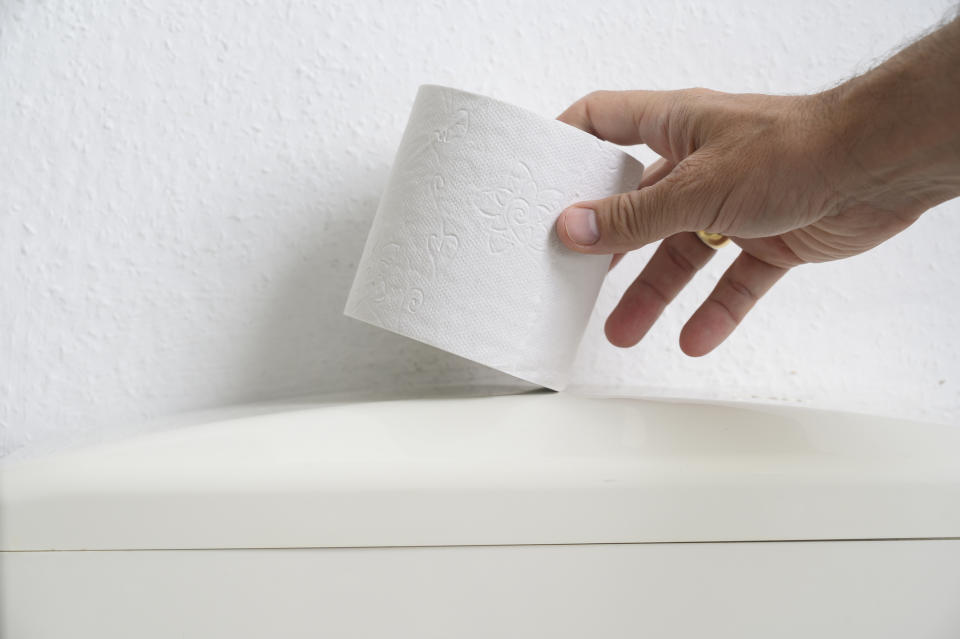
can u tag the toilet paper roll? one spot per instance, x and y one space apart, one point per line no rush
462 253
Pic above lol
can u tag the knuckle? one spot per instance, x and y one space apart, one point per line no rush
726 308
593 97
698 96
689 186
701 185
679 260
655 290
624 217
579 113
740 289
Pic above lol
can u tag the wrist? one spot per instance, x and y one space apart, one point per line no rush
894 132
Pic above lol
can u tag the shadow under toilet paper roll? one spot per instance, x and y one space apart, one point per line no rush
462 253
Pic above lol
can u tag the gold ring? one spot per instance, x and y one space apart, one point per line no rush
713 240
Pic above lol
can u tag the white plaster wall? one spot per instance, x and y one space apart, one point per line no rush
185 188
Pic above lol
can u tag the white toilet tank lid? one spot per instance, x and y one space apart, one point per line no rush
528 469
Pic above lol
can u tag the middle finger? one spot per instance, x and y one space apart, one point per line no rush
672 266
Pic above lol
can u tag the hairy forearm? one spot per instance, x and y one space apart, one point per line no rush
900 123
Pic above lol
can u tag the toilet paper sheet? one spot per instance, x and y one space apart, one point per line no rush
462 253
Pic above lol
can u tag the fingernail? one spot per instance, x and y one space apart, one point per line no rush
581 225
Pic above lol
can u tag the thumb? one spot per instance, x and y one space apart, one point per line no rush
627 221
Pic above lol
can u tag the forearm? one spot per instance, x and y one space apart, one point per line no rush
900 123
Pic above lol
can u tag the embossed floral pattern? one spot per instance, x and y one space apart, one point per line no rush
442 247
398 280
391 286
519 212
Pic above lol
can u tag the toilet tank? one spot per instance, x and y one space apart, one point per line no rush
538 515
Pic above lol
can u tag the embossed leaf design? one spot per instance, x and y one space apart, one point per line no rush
550 201
445 245
524 234
456 129
460 126
493 204
500 243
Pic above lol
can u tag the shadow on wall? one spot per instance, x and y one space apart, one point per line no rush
304 345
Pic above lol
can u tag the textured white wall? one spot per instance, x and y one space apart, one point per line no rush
185 189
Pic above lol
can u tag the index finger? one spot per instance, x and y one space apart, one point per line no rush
627 117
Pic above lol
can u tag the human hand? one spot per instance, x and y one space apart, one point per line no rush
751 167
791 179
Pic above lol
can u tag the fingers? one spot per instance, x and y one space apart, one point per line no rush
651 175
676 202
744 282
672 266
631 117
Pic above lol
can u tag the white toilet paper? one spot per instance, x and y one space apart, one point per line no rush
463 255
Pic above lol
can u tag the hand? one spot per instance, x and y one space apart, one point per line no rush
749 166
791 180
